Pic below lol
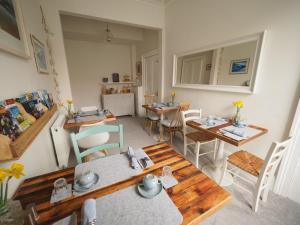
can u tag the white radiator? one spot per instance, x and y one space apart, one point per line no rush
61 141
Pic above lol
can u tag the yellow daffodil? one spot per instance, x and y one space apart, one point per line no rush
69 101
3 175
173 93
16 170
238 104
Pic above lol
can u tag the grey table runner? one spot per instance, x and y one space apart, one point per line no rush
87 118
110 169
127 207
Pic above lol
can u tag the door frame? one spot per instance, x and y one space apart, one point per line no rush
144 56
289 164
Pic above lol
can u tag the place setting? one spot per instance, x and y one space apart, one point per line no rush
210 122
98 173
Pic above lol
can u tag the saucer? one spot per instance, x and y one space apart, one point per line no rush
82 188
150 193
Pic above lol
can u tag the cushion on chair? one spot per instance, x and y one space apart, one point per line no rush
200 136
153 117
246 161
95 155
167 123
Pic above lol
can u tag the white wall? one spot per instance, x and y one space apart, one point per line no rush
19 75
278 83
89 62
125 11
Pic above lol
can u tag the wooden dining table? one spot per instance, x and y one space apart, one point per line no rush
75 125
216 170
196 195
161 111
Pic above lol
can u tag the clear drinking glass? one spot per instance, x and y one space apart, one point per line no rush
167 171
60 186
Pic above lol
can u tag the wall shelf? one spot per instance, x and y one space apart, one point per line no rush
117 83
18 147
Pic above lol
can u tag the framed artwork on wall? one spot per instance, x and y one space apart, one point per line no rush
239 66
139 68
12 30
39 55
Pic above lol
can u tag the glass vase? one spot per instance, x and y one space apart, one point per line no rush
237 118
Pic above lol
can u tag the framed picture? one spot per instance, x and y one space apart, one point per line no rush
208 67
239 66
39 55
139 68
12 31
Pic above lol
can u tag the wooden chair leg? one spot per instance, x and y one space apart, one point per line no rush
150 128
255 201
171 137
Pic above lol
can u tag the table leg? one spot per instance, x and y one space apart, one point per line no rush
215 171
160 137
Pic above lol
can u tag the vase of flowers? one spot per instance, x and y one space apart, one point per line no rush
16 170
68 109
173 94
237 117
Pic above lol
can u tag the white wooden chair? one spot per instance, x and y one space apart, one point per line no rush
262 170
198 138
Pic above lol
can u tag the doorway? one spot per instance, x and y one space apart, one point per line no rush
150 62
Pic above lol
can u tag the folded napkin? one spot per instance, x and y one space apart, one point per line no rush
234 131
133 161
89 212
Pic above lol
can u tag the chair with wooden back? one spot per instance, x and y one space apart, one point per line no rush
99 148
198 138
263 170
175 124
151 119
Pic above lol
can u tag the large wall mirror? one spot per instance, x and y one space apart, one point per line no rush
229 66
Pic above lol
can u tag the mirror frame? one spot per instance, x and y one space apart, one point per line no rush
260 37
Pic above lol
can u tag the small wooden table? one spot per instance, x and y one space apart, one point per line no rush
161 112
196 195
215 171
77 125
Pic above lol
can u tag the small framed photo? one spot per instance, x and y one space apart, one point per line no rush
139 68
39 55
239 66
208 67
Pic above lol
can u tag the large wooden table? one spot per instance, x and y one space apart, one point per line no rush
77 125
160 112
215 171
196 195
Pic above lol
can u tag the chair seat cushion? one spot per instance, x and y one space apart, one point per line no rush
200 136
95 155
246 161
153 117
167 123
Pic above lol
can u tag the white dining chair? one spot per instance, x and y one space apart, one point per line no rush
197 138
88 108
262 170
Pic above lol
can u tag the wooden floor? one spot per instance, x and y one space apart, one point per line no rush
196 195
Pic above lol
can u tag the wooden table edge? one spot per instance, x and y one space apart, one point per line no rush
213 210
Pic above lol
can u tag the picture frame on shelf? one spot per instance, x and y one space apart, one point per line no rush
39 53
239 66
13 37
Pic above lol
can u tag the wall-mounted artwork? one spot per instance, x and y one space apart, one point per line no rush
39 55
12 31
239 66
139 68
